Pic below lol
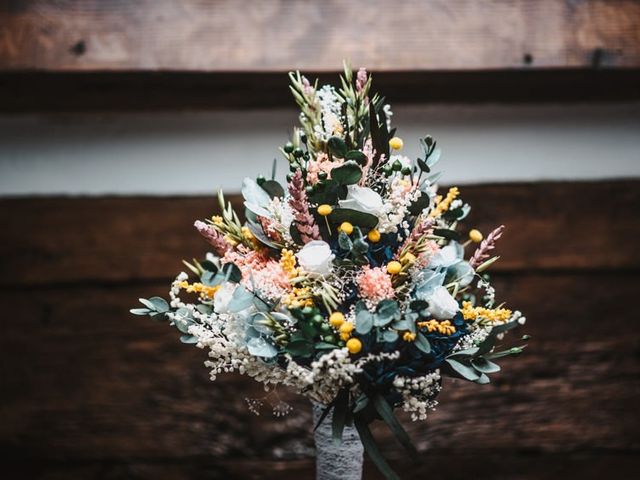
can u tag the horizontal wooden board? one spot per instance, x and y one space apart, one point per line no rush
277 35
85 383
550 226
46 91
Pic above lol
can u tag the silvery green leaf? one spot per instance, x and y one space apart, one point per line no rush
462 273
434 178
485 366
140 311
240 300
183 324
160 304
147 303
262 323
483 379
283 318
190 339
255 198
259 347
387 311
404 324
434 158
364 322
205 309
422 343
390 335
466 372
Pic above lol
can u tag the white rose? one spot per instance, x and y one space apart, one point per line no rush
363 199
223 296
316 257
442 306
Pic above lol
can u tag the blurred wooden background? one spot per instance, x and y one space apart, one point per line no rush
88 391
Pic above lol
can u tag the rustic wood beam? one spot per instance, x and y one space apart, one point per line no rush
278 35
29 91
551 227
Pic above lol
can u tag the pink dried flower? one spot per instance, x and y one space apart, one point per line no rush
375 284
320 164
214 237
305 223
361 79
267 274
482 252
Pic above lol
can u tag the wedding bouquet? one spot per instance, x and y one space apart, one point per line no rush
351 283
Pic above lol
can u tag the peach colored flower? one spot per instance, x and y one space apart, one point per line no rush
375 284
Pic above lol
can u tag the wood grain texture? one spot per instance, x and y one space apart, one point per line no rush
551 226
86 387
276 35
89 391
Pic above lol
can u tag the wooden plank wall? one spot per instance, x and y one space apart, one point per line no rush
89 391
245 35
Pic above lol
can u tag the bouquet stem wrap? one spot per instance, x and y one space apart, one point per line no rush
336 462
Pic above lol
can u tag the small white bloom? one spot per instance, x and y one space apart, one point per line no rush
442 306
363 199
223 296
316 257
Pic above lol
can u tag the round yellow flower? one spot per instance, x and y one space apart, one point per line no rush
373 236
336 319
346 227
475 235
394 267
346 327
354 345
408 258
325 210
396 143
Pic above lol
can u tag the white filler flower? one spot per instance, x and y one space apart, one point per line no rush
316 257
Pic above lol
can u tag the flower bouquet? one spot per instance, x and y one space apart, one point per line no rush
350 284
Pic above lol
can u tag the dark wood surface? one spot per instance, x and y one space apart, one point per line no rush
89 391
232 35
46 91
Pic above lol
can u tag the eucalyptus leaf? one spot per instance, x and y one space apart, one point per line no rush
349 173
273 188
189 339
485 366
140 311
422 343
386 412
360 219
464 371
160 304
301 348
364 322
337 147
390 336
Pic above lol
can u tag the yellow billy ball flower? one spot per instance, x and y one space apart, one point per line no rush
396 143
336 319
325 210
354 345
394 267
373 236
346 227
408 258
475 235
346 327
345 336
